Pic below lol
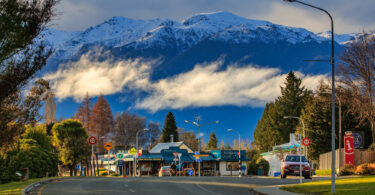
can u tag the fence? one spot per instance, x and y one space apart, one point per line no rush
360 157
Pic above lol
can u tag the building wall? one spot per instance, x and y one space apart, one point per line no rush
224 172
275 164
184 146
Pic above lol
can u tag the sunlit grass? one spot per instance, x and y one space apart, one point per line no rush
358 185
18 186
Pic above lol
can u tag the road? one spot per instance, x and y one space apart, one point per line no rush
158 185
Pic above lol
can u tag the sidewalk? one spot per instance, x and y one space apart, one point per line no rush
273 190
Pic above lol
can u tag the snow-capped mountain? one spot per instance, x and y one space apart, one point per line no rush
120 31
197 39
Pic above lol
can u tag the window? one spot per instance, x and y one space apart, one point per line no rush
295 159
232 166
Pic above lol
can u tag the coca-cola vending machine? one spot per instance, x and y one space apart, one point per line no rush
349 148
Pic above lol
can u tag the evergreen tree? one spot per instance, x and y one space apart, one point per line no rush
170 128
272 129
292 101
212 142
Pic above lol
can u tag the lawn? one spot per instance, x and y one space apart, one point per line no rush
357 186
18 186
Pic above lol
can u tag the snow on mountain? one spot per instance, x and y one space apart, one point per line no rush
140 34
341 39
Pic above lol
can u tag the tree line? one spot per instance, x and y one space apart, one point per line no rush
354 90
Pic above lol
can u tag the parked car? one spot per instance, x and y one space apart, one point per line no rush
165 171
291 166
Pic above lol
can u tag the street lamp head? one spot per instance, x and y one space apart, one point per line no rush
146 129
285 117
291 1
216 122
230 130
186 121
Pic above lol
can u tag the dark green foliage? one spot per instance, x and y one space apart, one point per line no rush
34 152
253 155
170 128
70 139
22 54
212 142
263 164
272 128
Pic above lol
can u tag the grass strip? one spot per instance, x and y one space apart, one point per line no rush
357 186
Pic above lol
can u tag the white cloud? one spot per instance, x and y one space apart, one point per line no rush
97 77
206 85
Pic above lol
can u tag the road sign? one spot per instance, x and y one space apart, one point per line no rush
108 146
306 141
190 172
120 155
179 155
120 163
175 154
92 140
202 155
199 160
133 151
196 153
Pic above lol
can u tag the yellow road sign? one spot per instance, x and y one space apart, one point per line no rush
133 151
108 146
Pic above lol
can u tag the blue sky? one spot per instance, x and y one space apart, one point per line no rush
234 109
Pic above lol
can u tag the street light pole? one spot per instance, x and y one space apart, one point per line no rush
333 91
196 123
300 143
136 155
239 152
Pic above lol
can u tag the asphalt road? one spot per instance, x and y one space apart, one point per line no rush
158 185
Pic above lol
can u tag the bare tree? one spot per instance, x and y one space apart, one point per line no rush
188 137
358 74
126 127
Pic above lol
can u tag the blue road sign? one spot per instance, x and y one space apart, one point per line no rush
190 172
196 153
199 160
120 163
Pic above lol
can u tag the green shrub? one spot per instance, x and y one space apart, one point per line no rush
347 170
105 173
323 172
263 164
102 169
114 174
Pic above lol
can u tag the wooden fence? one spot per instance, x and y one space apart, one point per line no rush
360 157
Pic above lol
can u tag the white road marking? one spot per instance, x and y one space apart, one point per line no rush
131 190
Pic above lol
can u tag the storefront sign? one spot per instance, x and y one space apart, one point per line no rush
349 148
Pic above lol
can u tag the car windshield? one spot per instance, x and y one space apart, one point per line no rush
295 159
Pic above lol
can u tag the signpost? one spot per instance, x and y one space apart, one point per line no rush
133 151
349 148
306 141
92 141
108 146
179 163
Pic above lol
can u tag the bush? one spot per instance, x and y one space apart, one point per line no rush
347 170
323 172
102 169
114 174
365 169
263 164
103 173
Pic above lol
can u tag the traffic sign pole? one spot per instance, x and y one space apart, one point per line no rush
92 141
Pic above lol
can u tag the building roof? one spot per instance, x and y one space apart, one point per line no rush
160 146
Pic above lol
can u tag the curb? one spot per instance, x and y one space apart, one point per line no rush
38 183
274 189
